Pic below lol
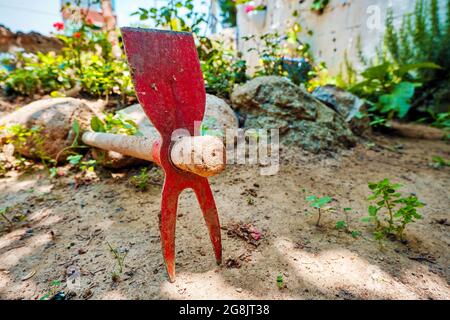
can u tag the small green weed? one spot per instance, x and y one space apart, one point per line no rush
319 204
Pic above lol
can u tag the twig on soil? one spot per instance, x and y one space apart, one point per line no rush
421 259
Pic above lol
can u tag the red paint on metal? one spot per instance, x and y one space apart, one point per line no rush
170 87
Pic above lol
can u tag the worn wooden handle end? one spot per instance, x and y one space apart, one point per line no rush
202 155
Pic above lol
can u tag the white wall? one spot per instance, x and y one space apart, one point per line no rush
334 32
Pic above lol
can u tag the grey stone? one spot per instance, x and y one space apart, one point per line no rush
276 103
351 107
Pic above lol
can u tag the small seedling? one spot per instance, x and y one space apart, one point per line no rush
439 162
319 204
76 161
75 143
141 180
119 255
280 281
250 201
3 213
345 224
391 212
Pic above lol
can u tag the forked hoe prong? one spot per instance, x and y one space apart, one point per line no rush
167 225
168 219
207 204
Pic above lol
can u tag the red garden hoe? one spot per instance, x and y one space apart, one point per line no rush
170 87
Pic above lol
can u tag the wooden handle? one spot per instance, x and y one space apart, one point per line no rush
201 155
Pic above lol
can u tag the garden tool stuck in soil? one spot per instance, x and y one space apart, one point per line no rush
170 87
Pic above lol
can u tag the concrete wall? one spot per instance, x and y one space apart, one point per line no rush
334 32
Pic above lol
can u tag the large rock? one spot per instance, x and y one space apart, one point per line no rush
54 118
352 108
219 115
275 102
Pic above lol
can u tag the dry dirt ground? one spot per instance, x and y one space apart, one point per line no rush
69 224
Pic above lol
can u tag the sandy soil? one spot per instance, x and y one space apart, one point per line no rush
69 224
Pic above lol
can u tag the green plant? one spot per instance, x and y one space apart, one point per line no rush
30 139
3 214
208 127
85 64
115 123
119 255
76 160
228 13
141 181
275 53
422 37
319 6
439 162
391 212
41 73
280 281
389 88
170 16
319 204
222 66
439 120
345 224
250 201
410 64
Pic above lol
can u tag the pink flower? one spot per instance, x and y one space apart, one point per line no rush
249 8
58 26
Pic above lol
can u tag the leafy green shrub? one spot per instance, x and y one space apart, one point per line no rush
3 214
389 88
422 37
41 73
228 12
391 212
286 55
170 16
222 67
412 61
86 61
